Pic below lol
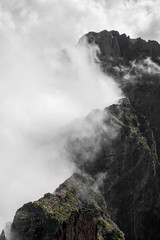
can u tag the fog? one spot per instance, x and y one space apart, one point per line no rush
46 82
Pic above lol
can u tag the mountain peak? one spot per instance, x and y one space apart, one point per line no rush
112 44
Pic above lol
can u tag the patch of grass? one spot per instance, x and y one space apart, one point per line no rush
101 223
117 236
133 122
143 141
62 210
134 127
69 195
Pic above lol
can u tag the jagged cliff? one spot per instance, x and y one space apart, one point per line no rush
115 46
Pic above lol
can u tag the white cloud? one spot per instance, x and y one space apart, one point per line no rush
65 21
41 89
135 18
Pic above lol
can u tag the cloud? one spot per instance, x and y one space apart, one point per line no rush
69 20
142 72
146 66
135 18
45 83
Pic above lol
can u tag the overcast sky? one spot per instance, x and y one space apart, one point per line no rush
64 21
39 89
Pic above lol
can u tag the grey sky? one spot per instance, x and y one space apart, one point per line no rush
65 21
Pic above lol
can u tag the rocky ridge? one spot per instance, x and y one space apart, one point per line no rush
76 211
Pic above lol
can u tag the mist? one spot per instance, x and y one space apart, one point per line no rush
46 82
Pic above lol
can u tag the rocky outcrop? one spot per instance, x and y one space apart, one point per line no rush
76 211
125 164
115 46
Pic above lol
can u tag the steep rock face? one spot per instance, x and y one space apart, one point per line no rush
125 163
80 226
77 211
145 98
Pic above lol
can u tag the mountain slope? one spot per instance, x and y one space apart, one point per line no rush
126 164
135 65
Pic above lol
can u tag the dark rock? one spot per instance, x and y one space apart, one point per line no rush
80 226
2 236
115 45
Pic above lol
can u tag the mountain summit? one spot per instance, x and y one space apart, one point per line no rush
114 45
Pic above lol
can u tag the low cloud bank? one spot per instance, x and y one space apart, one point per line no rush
45 83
